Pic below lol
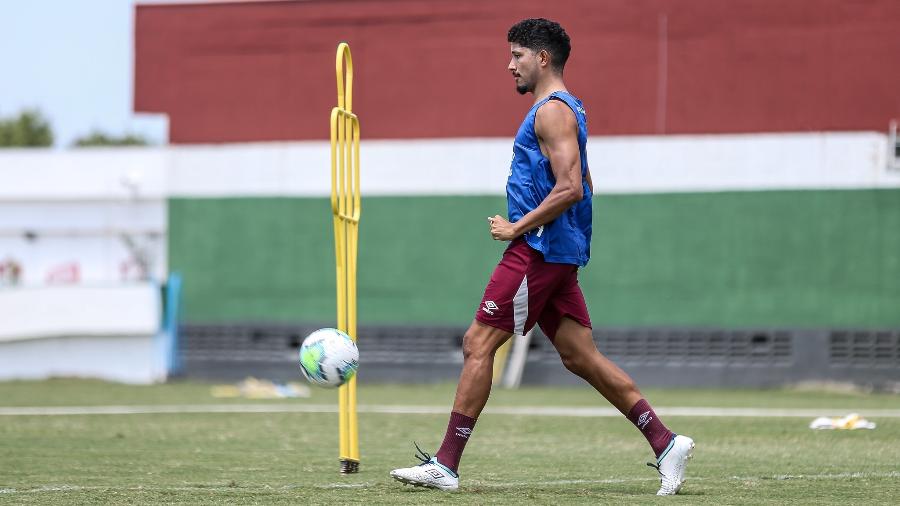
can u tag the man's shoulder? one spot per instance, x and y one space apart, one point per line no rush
553 105
554 113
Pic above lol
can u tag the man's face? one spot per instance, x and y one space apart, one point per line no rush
524 67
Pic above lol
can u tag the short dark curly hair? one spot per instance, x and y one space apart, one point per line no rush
539 33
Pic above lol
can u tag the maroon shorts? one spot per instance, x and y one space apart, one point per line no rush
524 290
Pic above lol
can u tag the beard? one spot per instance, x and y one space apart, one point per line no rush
522 85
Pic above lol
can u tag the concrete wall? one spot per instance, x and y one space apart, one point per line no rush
689 230
85 215
696 230
774 258
262 71
108 332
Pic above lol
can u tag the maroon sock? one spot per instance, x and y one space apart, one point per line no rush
458 431
643 417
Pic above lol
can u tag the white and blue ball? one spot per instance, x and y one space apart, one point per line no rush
328 358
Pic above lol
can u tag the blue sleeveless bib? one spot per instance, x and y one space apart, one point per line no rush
567 239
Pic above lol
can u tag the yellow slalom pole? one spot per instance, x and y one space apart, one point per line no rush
500 359
353 178
345 209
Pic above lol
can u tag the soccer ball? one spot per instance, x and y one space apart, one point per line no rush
328 358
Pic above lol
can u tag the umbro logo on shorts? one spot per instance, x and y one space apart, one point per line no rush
489 307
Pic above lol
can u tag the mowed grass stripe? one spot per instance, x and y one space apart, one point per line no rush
469 483
288 458
561 411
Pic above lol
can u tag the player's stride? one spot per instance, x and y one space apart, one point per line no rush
549 194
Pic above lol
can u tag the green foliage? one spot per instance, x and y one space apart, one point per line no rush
27 130
98 138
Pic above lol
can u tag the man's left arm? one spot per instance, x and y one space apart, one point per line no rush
557 132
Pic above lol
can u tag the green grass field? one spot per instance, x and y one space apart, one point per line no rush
291 458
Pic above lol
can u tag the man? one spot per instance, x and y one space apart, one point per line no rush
549 207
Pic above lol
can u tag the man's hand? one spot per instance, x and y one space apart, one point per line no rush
502 230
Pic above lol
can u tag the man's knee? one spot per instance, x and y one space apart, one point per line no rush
576 349
576 362
481 342
472 347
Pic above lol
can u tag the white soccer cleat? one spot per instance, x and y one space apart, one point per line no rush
430 474
672 464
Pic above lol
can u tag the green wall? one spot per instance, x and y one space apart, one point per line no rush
786 258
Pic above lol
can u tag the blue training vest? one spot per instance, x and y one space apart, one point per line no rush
567 239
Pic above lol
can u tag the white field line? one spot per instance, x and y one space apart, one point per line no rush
201 488
562 411
482 484
777 477
834 476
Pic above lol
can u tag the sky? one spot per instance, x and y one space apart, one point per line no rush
73 60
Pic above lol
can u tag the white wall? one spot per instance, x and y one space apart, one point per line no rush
94 174
65 208
127 359
110 332
53 311
446 166
641 164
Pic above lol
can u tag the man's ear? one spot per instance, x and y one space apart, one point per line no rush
544 57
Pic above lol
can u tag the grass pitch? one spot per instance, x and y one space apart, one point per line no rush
291 458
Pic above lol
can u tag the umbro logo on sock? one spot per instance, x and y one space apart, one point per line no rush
463 432
644 419
489 307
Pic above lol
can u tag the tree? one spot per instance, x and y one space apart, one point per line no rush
98 138
29 129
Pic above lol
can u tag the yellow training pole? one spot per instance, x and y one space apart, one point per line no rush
500 358
345 209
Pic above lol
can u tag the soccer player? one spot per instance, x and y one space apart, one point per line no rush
548 193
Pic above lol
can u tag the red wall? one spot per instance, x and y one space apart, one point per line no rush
265 70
